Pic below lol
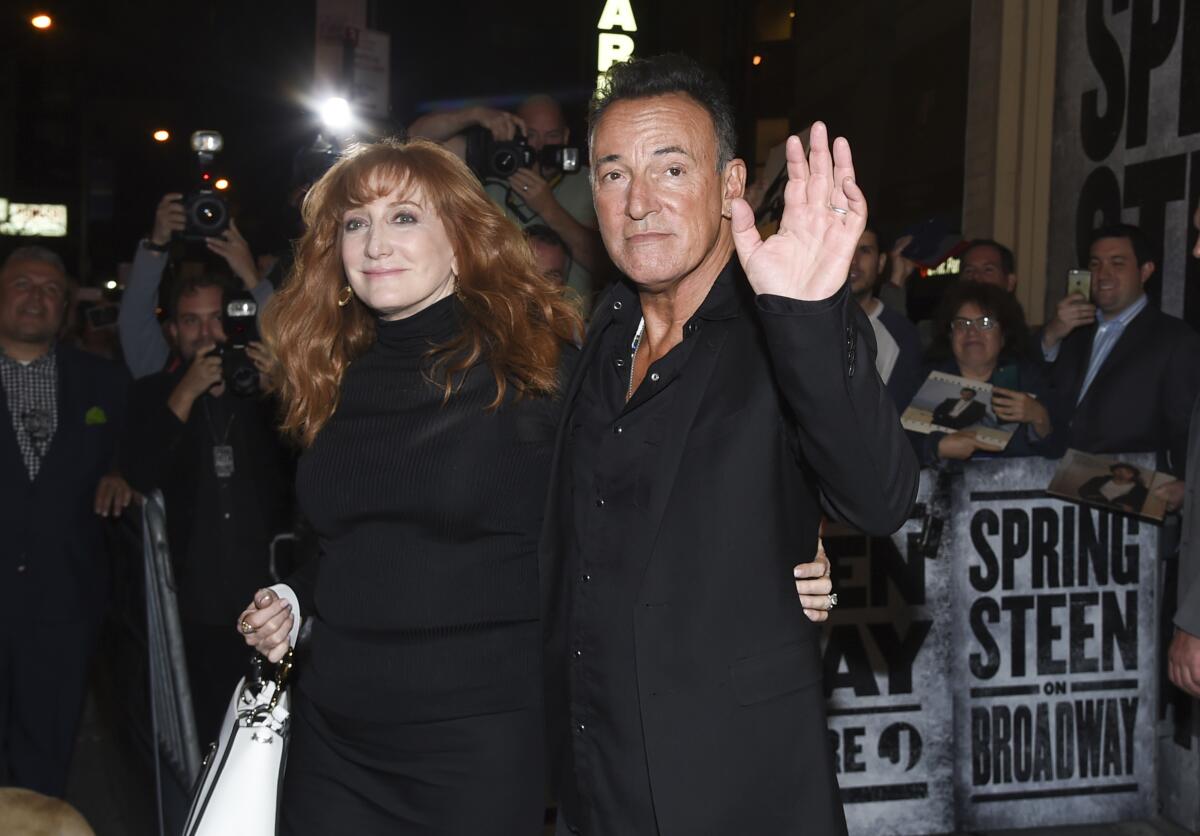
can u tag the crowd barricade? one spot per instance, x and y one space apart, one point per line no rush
176 750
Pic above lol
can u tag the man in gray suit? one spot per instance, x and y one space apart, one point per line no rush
1183 657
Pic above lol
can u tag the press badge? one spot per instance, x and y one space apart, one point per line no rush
223 460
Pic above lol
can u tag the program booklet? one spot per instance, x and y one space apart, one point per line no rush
947 403
1110 483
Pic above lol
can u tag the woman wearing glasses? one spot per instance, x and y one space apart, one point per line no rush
981 335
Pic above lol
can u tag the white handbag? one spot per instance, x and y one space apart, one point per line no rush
237 791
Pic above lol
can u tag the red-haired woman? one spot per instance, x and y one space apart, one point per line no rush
418 354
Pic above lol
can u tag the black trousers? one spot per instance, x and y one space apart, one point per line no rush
471 775
43 680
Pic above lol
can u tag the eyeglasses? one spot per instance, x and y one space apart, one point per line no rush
982 323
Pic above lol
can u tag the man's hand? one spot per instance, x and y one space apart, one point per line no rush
824 214
534 190
900 268
266 624
113 495
203 374
1183 662
169 218
1011 405
232 247
258 354
960 445
813 585
1070 313
1171 493
502 124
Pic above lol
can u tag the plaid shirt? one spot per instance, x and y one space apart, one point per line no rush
32 393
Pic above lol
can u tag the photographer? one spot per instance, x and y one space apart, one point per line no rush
195 433
142 340
561 201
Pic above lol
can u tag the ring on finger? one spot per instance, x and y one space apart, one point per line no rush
832 600
247 627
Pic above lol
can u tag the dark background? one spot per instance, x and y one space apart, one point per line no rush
79 102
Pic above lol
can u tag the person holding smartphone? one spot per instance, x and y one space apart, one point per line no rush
981 335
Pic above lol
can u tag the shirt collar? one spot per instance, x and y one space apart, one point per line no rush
722 302
1124 316
39 363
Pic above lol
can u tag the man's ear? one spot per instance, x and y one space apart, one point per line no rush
1012 282
733 179
1147 270
883 257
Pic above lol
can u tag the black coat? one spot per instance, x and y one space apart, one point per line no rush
1141 399
784 410
52 561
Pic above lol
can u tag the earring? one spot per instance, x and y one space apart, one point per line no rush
345 296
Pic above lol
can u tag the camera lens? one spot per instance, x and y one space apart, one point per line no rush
208 215
504 162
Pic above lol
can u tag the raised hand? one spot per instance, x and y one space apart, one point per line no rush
824 215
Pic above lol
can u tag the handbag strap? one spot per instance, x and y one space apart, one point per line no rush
281 678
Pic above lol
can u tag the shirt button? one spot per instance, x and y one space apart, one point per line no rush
654 376
599 502
21 568
617 305
581 728
619 362
226 515
578 653
618 429
585 578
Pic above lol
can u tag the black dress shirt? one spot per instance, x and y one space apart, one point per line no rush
613 455
219 528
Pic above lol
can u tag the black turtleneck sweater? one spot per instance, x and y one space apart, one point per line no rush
425 594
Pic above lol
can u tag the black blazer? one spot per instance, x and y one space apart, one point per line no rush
52 560
973 414
785 410
1132 501
1141 399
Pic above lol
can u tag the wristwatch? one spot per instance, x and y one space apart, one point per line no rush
158 248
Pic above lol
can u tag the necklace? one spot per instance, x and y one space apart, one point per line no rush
634 345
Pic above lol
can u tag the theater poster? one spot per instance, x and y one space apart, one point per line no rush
1054 666
886 654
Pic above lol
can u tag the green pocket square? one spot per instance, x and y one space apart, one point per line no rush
94 416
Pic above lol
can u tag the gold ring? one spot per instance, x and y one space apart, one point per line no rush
246 627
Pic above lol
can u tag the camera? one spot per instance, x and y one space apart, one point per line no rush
491 158
239 319
206 212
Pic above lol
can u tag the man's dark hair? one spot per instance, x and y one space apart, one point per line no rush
183 287
1008 262
662 75
1137 239
994 302
543 233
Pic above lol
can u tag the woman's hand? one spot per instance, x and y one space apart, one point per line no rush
960 445
813 585
1010 405
266 624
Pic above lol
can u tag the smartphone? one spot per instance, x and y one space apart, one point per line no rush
1080 281
1006 377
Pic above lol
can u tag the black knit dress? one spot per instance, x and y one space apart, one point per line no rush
418 709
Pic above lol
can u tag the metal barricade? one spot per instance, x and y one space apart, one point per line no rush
173 723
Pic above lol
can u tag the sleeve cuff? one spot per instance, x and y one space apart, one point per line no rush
288 594
1050 354
786 306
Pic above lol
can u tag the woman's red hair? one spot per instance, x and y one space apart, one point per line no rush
515 322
